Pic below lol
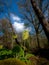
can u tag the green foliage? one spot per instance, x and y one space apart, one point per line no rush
28 56
21 53
11 61
5 53
16 49
16 52
26 59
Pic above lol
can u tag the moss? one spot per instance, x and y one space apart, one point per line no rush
11 61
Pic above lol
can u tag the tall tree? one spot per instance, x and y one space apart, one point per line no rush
6 30
41 18
6 4
27 11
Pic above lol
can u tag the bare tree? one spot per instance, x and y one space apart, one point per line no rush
4 4
7 31
41 18
27 11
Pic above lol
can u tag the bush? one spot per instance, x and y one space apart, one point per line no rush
17 51
26 59
11 61
5 53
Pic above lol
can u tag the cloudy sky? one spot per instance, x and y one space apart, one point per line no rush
18 25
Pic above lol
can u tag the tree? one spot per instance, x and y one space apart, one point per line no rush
41 18
4 4
27 11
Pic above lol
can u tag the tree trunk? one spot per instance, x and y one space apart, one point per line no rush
38 40
41 18
17 41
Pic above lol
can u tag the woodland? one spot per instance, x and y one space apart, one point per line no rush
24 40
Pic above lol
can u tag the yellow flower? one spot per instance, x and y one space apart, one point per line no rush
1 46
25 35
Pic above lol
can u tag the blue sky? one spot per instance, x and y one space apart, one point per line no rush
18 24
13 8
16 18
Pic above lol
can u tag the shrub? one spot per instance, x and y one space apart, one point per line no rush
5 53
11 61
26 59
18 51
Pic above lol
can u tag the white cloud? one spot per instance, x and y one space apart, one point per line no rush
15 18
29 29
19 27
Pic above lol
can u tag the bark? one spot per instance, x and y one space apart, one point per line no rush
37 39
17 41
41 18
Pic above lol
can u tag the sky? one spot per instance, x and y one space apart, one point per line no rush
18 25
15 16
